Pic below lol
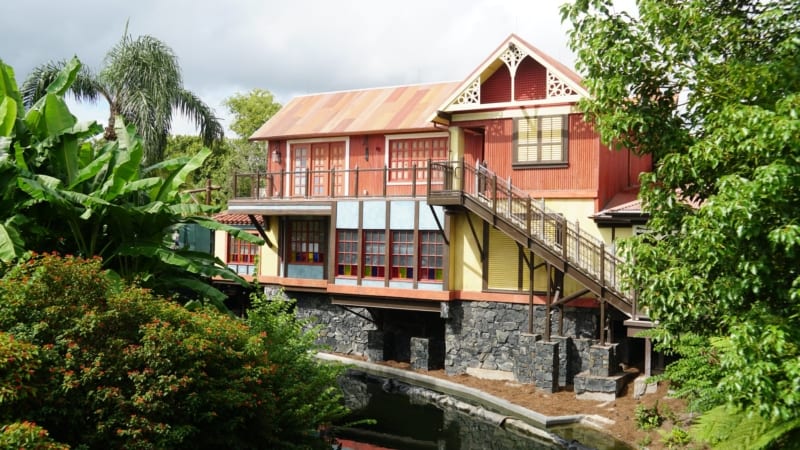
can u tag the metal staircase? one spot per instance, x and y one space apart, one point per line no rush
527 221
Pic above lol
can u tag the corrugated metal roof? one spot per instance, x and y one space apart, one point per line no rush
402 108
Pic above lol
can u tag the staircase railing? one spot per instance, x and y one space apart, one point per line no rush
531 217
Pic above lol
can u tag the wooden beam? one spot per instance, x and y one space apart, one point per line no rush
260 230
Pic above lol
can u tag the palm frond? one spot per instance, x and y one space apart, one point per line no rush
86 87
202 115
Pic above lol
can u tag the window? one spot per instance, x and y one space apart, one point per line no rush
374 253
540 140
431 256
300 167
241 252
403 254
405 153
306 242
347 252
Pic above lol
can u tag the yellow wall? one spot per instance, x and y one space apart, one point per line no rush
269 256
465 260
577 209
221 245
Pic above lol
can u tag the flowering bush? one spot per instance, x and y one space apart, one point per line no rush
122 368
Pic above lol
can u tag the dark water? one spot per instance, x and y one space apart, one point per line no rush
406 422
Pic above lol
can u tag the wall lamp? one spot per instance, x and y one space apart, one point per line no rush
276 153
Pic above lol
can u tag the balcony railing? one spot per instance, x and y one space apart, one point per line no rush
410 181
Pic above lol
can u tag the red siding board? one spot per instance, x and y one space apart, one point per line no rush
497 88
579 178
530 82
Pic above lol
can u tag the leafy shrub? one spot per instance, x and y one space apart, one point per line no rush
121 368
29 436
676 438
647 418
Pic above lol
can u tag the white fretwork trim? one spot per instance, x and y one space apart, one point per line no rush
557 87
470 95
512 56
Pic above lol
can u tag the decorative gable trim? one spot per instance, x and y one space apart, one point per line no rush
563 85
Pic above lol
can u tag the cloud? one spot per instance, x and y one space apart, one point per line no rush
289 48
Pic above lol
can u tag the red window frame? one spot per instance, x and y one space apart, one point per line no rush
306 242
374 254
402 258
241 251
431 256
405 153
347 253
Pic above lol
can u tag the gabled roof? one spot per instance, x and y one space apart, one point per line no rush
511 52
397 109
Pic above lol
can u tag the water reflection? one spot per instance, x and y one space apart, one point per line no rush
408 422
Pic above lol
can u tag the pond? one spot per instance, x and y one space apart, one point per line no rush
407 418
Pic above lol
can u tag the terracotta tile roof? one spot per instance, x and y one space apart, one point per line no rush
402 108
236 219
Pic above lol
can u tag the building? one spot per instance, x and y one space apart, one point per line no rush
467 225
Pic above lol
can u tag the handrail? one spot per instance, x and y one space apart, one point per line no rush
532 218
412 181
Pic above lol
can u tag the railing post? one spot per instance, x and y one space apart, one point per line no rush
308 182
528 215
332 182
385 179
282 187
235 185
510 201
494 194
430 175
258 185
356 182
414 180
602 264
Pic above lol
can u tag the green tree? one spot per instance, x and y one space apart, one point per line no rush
141 81
712 90
251 110
103 365
64 192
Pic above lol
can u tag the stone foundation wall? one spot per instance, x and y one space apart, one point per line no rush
340 330
493 336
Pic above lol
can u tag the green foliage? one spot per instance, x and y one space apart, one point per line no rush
29 436
308 393
227 157
711 89
676 437
64 192
141 81
647 418
251 110
696 374
121 368
725 427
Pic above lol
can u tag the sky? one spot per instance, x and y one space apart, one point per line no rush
287 47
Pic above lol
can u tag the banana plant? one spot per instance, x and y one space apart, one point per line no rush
66 190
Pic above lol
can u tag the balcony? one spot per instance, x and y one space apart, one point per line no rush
306 184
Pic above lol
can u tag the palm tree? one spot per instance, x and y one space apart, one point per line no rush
141 81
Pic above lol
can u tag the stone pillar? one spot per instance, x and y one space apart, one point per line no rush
420 353
375 347
545 366
523 367
602 361
565 373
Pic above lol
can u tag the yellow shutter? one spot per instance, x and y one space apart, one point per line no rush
552 127
503 261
